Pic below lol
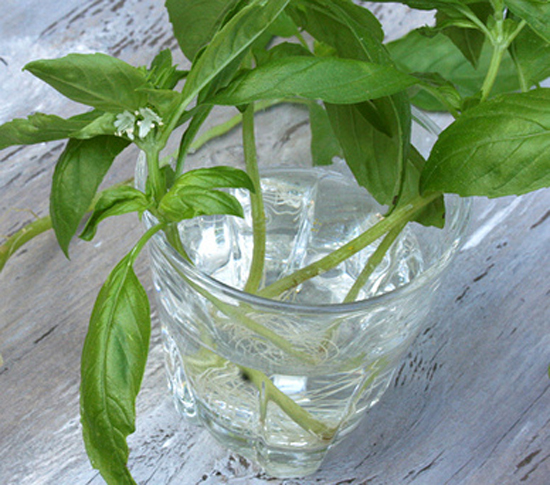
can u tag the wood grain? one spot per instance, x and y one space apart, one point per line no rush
470 403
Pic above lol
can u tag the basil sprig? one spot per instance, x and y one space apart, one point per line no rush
482 61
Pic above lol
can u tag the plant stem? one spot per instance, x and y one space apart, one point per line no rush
189 136
256 203
396 218
373 262
496 59
153 170
25 234
293 410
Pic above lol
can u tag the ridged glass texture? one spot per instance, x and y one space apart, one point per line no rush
282 381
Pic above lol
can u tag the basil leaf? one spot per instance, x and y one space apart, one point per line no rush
324 143
214 177
195 23
535 13
409 54
77 175
231 42
531 54
434 213
162 74
370 154
102 125
336 24
193 201
501 147
469 40
283 26
335 80
40 127
280 51
114 202
97 80
112 367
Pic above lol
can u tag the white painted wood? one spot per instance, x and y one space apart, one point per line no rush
470 404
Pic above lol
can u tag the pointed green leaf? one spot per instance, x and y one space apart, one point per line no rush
78 173
334 80
531 53
113 362
409 54
114 202
324 143
434 213
195 23
469 40
215 178
97 80
355 35
40 127
535 12
193 201
369 153
231 42
501 147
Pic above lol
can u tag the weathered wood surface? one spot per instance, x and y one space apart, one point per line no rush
470 404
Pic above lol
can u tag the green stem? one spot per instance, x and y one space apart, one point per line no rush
153 171
173 236
294 411
398 217
25 234
189 135
238 314
256 203
373 262
490 78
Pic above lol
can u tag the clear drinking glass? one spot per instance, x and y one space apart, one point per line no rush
282 381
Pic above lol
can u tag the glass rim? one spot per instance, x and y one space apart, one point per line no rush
207 281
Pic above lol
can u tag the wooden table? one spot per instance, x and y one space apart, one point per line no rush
471 401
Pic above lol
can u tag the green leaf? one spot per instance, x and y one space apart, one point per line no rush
280 51
78 173
195 23
501 147
193 201
535 12
469 40
97 80
324 144
444 59
434 213
283 26
370 153
193 194
335 80
40 127
162 74
113 362
102 125
115 202
215 178
531 54
336 24
231 42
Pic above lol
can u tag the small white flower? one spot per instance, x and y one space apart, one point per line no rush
149 119
145 119
125 124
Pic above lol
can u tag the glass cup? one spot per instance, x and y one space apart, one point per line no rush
281 381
